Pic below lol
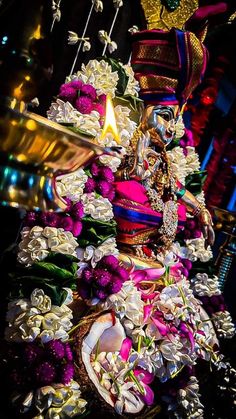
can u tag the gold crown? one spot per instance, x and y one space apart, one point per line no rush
159 16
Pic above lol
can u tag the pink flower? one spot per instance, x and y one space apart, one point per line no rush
99 108
89 90
103 188
67 94
125 349
95 169
107 174
76 84
76 228
90 185
66 223
145 378
84 105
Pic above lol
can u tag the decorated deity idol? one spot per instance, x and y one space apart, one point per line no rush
151 203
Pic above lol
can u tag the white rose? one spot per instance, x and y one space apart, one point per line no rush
35 232
50 232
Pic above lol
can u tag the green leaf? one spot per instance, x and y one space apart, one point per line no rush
50 270
96 232
195 181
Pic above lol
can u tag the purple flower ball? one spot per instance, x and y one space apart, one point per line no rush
84 291
66 222
102 277
122 273
107 174
67 373
45 373
95 169
76 84
77 211
68 94
103 187
116 286
49 219
84 105
68 352
87 275
31 353
90 185
110 262
185 272
55 349
77 228
89 90
101 294
111 195
30 218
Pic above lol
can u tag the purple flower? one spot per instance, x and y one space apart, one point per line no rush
76 84
187 263
191 224
185 272
45 373
122 273
77 211
30 218
102 98
90 185
67 93
103 188
66 222
68 352
76 228
101 294
102 277
55 348
116 286
67 373
107 174
87 275
84 291
110 262
49 219
84 105
95 169
111 195
89 90
31 353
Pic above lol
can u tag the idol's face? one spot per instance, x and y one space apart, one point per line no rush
163 119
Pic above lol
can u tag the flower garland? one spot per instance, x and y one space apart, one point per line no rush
158 327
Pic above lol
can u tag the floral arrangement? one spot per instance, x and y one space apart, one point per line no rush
81 327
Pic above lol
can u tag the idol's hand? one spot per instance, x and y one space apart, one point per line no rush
205 220
140 162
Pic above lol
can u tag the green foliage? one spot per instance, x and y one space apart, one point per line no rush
96 232
195 181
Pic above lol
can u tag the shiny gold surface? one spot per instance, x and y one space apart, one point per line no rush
33 150
159 17
225 220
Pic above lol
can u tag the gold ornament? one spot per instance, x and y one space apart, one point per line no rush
159 17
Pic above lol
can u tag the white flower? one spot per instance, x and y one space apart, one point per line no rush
56 401
196 250
63 112
203 285
98 208
189 399
133 29
72 185
118 3
179 127
223 323
86 45
192 160
110 161
178 163
127 304
40 300
132 87
37 318
72 38
98 5
94 254
100 75
106 40
43 241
